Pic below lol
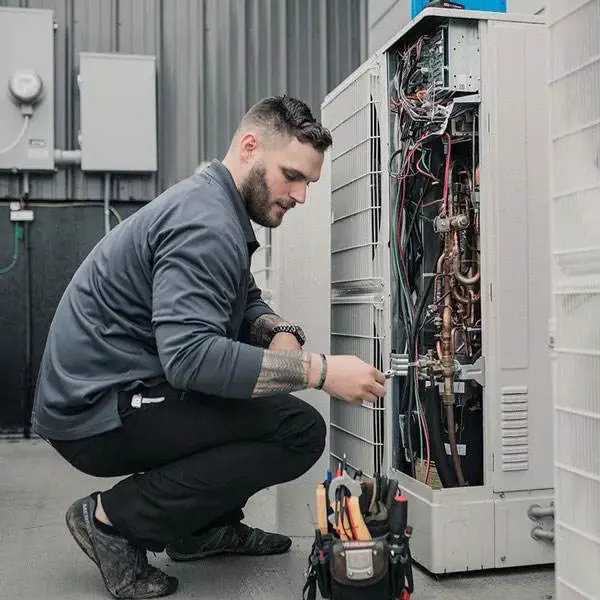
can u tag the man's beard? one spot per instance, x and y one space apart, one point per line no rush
257 197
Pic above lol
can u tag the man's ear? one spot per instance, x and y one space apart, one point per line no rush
248 146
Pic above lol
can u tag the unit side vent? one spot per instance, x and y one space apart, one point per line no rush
515 429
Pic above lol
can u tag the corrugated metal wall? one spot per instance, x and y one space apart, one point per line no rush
215 58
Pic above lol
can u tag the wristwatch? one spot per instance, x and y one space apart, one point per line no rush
295 330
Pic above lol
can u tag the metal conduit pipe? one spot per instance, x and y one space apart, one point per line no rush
106 203
535 511
537 533
67 157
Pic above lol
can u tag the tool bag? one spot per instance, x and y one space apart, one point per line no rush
376 569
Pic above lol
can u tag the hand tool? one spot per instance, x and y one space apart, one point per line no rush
322 509
350 501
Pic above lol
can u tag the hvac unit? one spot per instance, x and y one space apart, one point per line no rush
575 133
440 273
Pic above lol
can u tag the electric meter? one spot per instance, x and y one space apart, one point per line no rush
25 86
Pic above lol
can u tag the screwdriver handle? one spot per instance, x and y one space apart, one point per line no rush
398 516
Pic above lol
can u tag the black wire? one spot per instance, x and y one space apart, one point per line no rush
436 443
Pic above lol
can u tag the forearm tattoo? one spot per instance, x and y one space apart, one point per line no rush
282 372
261 331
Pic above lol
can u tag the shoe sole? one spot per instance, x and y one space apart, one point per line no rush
174 555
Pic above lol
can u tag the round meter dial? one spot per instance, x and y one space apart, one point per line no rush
25 86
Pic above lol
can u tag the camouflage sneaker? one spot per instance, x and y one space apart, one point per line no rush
123 566
228 539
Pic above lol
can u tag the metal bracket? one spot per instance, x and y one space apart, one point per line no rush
476 371
398 365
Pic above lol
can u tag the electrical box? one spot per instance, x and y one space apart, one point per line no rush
490 5
26 89
118 112
440 273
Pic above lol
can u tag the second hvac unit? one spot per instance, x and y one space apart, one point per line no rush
440 272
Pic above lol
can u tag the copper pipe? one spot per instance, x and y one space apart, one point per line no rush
457 296
473 299
437 296
447 358
465 280
455 331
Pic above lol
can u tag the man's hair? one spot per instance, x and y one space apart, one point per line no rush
288 116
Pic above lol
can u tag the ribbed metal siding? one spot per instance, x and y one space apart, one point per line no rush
575 115
215 58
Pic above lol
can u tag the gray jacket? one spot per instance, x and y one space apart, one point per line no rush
165 296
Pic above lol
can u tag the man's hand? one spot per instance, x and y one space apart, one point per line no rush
353 380
284 341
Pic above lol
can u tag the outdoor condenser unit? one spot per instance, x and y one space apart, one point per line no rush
440 272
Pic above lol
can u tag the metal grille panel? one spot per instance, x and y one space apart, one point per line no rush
356 318
356 268
575 117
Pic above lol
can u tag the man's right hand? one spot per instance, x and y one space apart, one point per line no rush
353 380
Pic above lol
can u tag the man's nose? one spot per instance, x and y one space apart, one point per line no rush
298 193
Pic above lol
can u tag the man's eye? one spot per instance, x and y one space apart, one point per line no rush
292 176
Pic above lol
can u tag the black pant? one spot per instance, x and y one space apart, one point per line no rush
194 460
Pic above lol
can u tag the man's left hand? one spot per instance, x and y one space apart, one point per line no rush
284 341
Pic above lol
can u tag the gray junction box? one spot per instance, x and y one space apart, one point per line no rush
27 50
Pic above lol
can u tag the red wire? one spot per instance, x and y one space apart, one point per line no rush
400 215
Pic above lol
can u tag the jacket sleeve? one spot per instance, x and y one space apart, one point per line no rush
196 272
255 305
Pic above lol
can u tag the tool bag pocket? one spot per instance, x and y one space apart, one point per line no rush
360 570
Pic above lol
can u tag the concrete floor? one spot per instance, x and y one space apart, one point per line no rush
40 560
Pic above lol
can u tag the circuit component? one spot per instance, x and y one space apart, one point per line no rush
449 60
435 229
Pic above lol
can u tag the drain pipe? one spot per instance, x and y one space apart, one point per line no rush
106 203
67 157
29 383
536 512
537 533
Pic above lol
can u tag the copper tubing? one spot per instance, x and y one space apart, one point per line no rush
460 478
437 295
458 297
447 355
462 278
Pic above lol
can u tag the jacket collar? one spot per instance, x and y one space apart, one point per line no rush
221 173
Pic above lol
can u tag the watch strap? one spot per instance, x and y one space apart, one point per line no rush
287 328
